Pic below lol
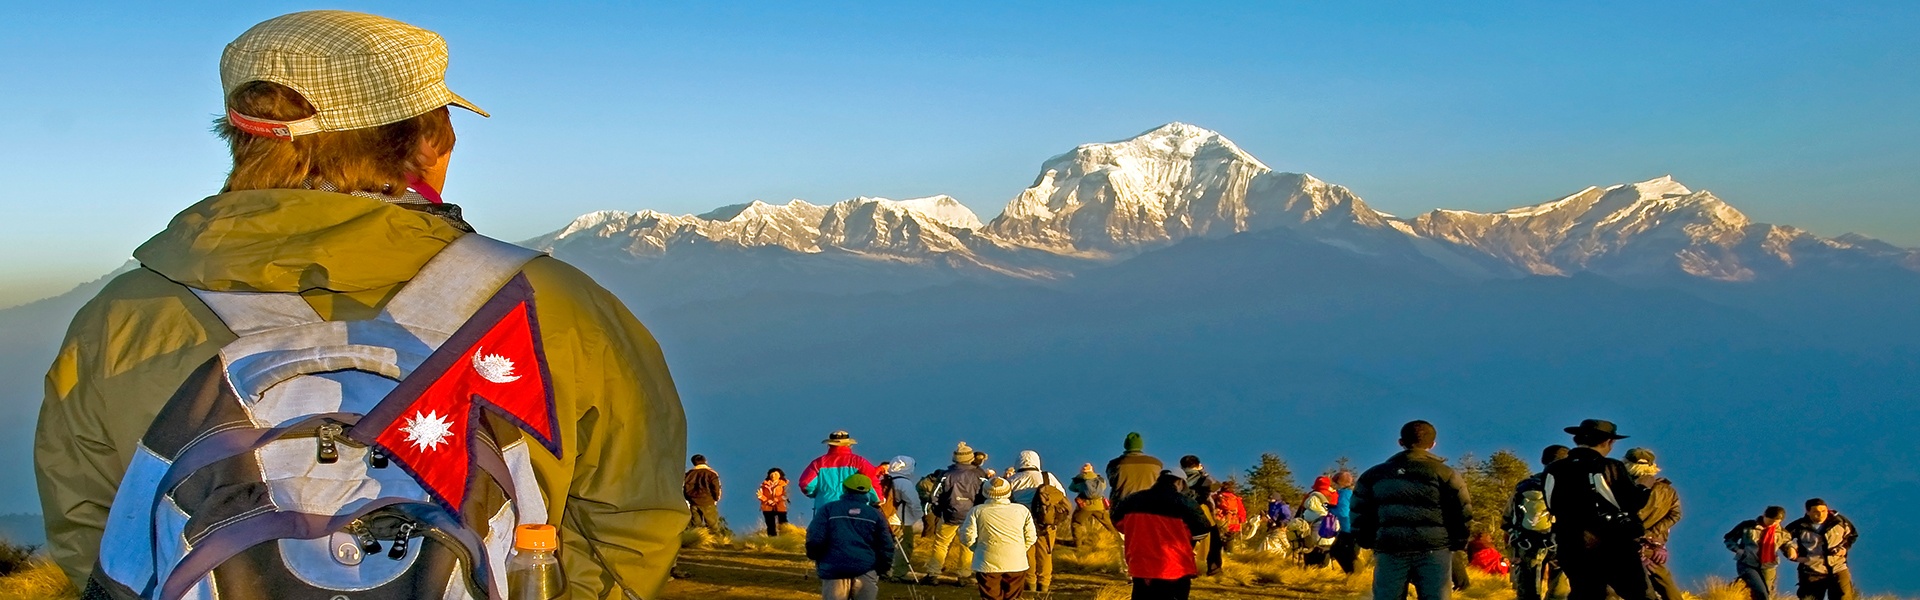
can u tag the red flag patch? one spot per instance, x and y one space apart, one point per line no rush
494 362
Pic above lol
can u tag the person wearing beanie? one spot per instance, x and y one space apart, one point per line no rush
331 215
850 544
1757 547
824 478
1133 471
999 533
1090 502
1659 516
959 489
1412 512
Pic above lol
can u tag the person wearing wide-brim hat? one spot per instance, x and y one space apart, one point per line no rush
1596 505
340 134
824 477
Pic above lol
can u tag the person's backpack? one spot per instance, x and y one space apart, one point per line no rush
887 497
1530 512
382 458
1050 506
928 486
1279 511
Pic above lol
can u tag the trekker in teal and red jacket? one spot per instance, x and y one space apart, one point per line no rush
825 477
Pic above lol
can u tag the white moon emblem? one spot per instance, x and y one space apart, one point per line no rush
493 367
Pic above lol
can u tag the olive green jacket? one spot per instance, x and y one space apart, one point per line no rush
615 488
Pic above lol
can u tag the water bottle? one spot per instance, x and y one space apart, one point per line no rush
534 571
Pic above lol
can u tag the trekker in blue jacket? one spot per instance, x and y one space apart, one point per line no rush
850 544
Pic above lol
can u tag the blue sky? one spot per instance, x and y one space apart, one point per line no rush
1797 113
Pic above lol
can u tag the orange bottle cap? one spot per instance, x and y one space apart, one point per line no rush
536 537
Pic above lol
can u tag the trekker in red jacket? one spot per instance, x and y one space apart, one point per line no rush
1160 526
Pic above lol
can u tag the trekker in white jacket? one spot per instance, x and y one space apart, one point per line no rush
999 532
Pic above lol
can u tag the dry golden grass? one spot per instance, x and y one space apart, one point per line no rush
42 581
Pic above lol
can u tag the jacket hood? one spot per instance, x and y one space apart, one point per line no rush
900 466
1028 460
294 240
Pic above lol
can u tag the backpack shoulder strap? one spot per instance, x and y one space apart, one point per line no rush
451 286
248 313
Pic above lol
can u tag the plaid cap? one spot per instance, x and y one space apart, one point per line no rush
357 70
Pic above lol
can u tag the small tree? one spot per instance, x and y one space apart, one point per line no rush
1271 479
1491 483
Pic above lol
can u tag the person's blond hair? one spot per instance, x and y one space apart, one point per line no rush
374 159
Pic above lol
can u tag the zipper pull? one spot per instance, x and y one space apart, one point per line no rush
376 458
399 548
329 451
359 530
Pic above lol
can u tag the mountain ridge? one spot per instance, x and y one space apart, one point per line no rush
1102 203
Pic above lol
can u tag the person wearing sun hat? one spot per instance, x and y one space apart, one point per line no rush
822 480
1596 505
340 136
850 543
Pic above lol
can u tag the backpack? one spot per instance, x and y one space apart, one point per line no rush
929 486
887 497
383 458
1530 512
1279 511
1050 506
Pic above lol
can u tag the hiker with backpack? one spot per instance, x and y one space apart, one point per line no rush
1596 506
1201 487
1757 546
1317 509
823 477
1230 511
1529 527
701 487
1090 503
953 498
1159 527
1133 471
315 335
1412 512
1822 541
906 515
1000 534
849 543
773 500
1043 495
1659 516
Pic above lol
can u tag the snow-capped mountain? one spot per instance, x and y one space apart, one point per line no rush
1163 186
1107 202
917 227
1651 228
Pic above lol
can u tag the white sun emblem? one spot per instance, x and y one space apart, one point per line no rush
493 367
427 431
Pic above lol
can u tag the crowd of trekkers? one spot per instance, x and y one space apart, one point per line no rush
1585 527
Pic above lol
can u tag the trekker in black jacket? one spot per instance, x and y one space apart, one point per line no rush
1412 512
1596 510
